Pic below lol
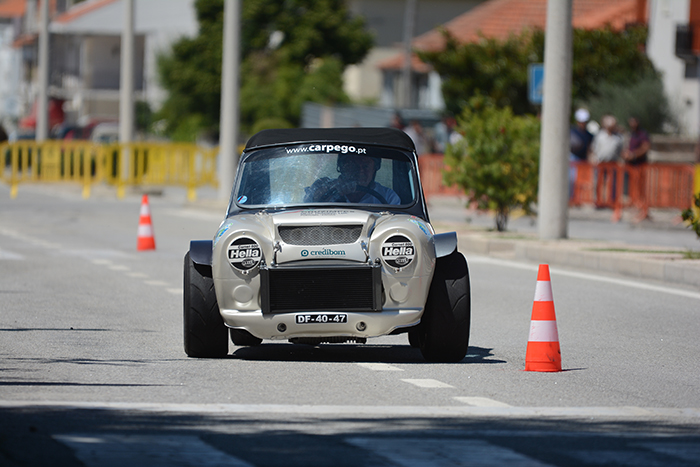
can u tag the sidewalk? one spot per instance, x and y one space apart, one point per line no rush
653 249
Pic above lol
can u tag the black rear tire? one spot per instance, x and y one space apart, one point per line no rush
205 334
444 336
243 338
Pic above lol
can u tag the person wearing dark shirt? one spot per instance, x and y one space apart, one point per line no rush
580 136
635 155
639 144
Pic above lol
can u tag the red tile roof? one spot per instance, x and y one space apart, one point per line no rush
82 9
500 18
12 8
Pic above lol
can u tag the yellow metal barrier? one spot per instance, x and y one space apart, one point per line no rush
163 164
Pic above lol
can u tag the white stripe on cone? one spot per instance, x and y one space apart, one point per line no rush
145 230
543 331
543 291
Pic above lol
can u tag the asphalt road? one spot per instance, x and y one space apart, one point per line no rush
92 370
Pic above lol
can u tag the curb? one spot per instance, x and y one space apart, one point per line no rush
636 262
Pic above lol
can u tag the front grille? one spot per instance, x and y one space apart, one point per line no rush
320 234
321 289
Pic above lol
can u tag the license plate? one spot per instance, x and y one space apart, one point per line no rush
321 318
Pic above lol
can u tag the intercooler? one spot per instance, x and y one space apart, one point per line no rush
321 288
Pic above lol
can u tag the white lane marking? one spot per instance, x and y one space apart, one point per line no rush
379 367
410 452
101 262
689 451
26 238
4 254
156 283
174 291
117 450
590 277
692 413
427 383
119 267
481 402
138 275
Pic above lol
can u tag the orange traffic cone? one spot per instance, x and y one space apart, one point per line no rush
145 241
543 353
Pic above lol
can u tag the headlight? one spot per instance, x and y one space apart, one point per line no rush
398 251
244 254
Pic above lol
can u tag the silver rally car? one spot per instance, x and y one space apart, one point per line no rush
327 240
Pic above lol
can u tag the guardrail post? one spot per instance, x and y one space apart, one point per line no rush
697 186
14 172
191 176
87 172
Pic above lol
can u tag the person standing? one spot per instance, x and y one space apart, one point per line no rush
639 144
607 144
606 148
635 156
415 131
581 138
580 147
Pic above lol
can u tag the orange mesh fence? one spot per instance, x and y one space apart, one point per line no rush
609 185
617 186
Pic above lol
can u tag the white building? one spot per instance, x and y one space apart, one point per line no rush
85 51
673 46
85 69
10 63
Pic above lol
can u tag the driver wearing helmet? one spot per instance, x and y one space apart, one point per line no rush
354 185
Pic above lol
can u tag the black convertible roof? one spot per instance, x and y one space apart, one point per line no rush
360 135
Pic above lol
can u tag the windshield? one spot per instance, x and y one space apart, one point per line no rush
319 173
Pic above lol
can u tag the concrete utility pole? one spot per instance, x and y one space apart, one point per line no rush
553 194
126 83
42 99
409 27
228 125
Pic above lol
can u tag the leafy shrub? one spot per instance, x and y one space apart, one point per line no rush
692 217
497 161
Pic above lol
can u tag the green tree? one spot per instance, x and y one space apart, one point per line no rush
497 162
292 51
498 68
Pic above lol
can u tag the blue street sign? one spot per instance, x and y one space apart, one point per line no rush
535 78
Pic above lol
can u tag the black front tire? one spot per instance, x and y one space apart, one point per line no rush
444 335
205 334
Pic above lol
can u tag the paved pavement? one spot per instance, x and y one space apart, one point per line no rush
655 249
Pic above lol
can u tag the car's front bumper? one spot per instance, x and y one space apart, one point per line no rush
286 326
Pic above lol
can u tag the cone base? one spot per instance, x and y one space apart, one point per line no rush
543 356
542 367
146 245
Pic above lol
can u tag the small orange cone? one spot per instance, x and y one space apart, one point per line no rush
543 353
145 241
